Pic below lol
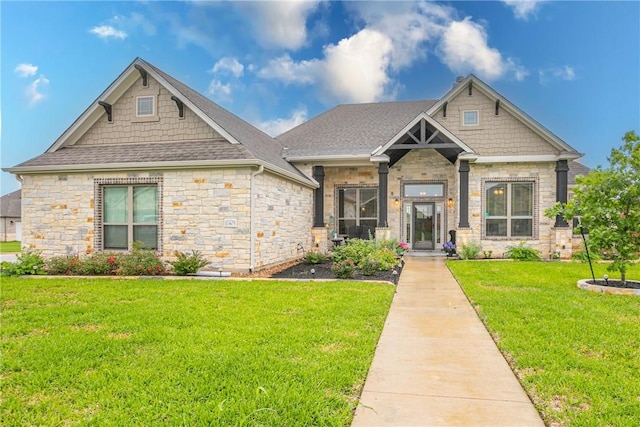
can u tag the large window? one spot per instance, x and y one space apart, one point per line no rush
130 213
357 210
509 209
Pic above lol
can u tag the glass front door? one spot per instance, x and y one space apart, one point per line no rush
424 225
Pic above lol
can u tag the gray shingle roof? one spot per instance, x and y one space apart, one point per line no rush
576 168
11 205
140 153
351 129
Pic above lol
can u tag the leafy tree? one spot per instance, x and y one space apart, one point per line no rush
608 203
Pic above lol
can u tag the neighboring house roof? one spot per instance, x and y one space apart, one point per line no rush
350 129
245 143
575 169
11 205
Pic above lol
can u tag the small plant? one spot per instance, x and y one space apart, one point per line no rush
470 251
487 254
140 262
582 256
315 257
27 262
555 255
369 266
188 264
522 252
344 269
449 248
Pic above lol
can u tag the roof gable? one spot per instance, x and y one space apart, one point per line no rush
473 83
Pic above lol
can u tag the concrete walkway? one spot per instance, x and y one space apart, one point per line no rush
436 364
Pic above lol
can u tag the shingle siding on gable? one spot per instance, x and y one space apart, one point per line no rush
501 135
169 126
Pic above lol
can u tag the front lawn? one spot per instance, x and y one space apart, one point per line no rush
577 353
186 352
10 247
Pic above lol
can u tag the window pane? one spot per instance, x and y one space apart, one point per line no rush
368 203
145 106
344 225
470 118
347 202
496 199
145 204
115 237
496 227
115 205
423 190
521 227
522 199
147 234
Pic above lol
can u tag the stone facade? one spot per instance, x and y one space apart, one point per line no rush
164 126
207 210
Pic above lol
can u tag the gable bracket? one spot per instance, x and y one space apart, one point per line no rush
180 105
497 106
143 74
107 109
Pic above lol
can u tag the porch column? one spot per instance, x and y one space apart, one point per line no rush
562 169
318 197
383 177
464 194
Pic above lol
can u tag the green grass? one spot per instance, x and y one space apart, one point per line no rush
6 247
187 352
577 353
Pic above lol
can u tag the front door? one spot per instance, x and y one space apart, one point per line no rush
424 229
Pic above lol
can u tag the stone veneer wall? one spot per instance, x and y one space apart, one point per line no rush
207 210
543 174
165 126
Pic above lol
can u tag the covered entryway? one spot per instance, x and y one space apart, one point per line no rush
424 225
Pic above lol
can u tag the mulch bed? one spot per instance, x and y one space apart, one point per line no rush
630 284
301 270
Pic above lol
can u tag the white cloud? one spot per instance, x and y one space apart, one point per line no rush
464 48
565 72
34 91
279 126
26 70
280 24
289 71
523 9
219 91
356 69
106 32
228 64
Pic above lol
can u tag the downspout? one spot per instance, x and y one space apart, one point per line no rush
252 222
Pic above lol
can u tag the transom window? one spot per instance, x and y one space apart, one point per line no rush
509 209
145 106
130 213
423 190
470 118
357 210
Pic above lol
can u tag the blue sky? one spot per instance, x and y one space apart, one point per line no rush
572 66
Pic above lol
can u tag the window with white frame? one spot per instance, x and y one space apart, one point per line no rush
145 106
470 118
357 206
129 213
509 209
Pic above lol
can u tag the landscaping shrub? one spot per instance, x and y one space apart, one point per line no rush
353 249
469 251
344 269
315 257
140 262
99 264
582 256
369 266
188 264
522 252
65 264
27 262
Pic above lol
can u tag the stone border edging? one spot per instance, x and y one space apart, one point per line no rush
582 284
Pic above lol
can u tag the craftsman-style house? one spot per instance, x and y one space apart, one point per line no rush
153 160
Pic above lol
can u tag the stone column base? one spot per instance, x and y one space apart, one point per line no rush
383 233
320 240
563 242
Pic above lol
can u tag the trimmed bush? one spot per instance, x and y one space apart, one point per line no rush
27 262
369 266
188 264
344 269
315 257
